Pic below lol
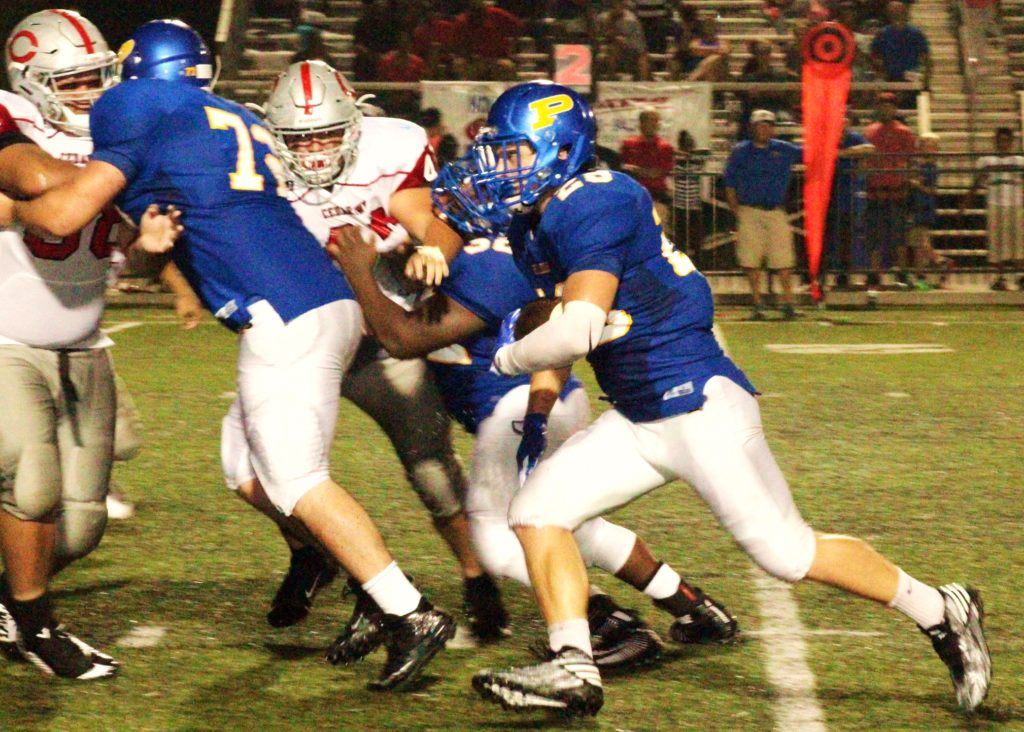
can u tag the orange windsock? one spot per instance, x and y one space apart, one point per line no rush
828 50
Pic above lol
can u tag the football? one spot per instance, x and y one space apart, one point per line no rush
536 314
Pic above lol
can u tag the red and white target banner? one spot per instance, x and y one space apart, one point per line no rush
828 50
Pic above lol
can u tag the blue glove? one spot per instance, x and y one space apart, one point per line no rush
534 429
506 334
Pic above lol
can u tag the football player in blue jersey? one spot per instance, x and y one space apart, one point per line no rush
161 137
636 308
456 330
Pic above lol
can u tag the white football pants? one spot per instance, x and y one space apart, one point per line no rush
719 449
494 481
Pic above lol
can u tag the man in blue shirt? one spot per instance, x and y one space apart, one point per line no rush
756 180
900 47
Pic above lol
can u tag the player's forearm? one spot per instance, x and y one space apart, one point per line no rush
545 386
556 344
53 215
29 171
439 234
175 281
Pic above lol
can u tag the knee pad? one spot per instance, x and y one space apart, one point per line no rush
234 450
498 549
35 489
439 483
604 544
785 554
80 528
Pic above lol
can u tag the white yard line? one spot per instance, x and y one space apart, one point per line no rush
796 704
117 327
785 652
143 636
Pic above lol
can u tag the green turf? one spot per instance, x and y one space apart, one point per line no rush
933 480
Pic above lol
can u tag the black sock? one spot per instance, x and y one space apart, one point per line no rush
31 615
599 607
684 600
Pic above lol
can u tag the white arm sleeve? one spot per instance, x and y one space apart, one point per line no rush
557 343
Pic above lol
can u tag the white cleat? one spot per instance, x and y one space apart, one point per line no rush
960 642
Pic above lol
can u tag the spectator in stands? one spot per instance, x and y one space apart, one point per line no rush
656 18
756 180
762 68
687 204
924 189
888 186
373 35
1003 175
979 19
484 38
574 21
623 47
900 50
648 158
433 40
311 46
445 146
401 65
705 58
844 222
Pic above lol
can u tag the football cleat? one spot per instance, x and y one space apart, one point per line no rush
487 617
8 634
363 632
569 682
412 641
119 508
309 572
707 622
56 652
622 640
960 642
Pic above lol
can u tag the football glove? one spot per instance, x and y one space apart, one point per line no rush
534 429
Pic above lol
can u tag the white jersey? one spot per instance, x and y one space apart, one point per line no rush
392 155
51 291
1005 179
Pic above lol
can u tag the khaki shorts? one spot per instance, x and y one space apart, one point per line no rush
57 426
764 236
1005 233
919 237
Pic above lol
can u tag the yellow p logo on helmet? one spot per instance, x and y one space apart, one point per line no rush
126 50
548 108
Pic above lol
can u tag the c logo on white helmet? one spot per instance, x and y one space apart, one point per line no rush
27 53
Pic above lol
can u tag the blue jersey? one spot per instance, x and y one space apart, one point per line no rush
485 281
177 144
657 350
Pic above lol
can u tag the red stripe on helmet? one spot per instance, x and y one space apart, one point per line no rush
307 87
77 25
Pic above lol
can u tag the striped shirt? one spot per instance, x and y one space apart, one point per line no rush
686 176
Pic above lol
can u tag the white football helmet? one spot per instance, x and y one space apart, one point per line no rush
312 99
47 48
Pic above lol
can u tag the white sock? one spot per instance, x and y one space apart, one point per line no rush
921 603
575 633
393 591
664 583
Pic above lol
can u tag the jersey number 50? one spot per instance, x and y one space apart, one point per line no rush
244 177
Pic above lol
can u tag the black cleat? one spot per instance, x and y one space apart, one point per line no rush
622 640
8 634
55 651
960 642
569 682
308 573
412 641
707 622
488 620
363 632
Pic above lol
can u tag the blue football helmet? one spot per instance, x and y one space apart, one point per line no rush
169 50
538 117
463 203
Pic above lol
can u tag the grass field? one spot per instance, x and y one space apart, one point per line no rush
921 453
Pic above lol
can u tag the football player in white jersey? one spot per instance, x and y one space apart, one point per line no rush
345 169
55 373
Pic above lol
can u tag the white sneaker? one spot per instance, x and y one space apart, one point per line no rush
119 508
